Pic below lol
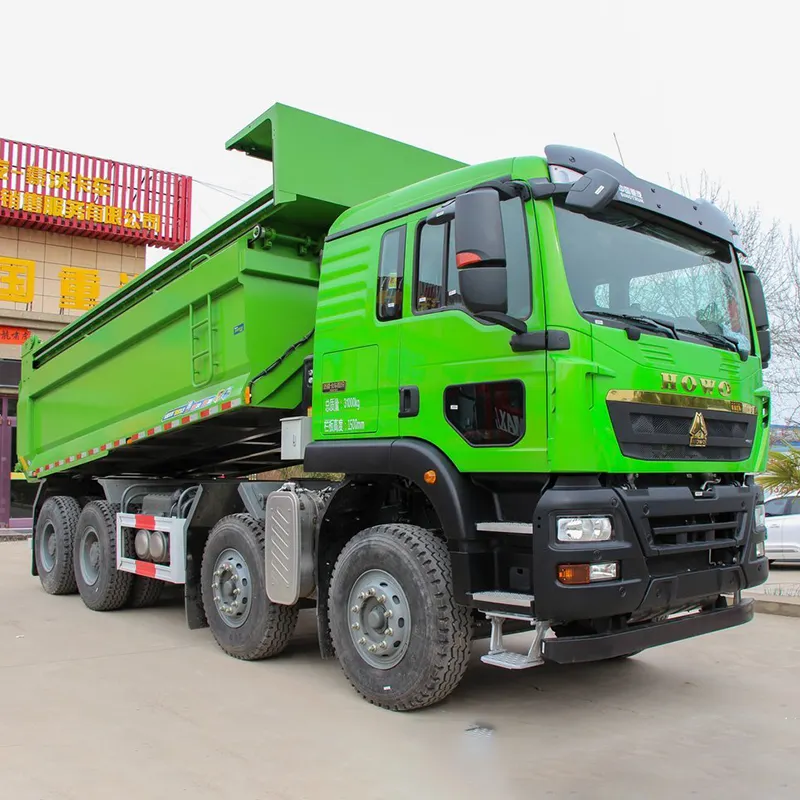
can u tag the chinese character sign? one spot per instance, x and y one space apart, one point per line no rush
80 288
11 334
80 195
16 279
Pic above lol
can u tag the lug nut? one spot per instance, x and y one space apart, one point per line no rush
355 626
354 609
372 592
384 645
388 632
382 598
372 648
237 591
388 613
362 640
363 596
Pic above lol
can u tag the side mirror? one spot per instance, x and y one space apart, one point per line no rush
481 251
760 316
592 192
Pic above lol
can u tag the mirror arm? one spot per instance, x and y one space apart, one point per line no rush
541 188
512 323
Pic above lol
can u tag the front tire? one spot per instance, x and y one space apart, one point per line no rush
55 536
245 623
400 637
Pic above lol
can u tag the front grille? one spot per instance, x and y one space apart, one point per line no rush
676 520
696 529
681 426
663 433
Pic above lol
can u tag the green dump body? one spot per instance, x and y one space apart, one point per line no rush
165 377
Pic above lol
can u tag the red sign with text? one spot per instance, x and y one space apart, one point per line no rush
63 192
11 334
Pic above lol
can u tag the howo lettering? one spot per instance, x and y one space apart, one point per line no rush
527 395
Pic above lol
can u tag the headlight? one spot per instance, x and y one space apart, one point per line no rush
564 174
760 516
760 549
584 529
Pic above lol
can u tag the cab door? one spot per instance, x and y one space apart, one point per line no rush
462 388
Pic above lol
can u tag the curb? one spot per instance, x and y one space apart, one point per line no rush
775 604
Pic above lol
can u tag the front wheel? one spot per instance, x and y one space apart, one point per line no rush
245 623
400 637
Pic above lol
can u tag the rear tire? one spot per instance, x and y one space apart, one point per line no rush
101 585
53 544
145 592
245 623
400 637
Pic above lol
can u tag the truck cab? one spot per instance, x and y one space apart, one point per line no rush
575 356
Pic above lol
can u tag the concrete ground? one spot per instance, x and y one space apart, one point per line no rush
786 576
133 705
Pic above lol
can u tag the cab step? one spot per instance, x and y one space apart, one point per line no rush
511 604
498 656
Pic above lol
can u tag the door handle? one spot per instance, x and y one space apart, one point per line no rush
409 401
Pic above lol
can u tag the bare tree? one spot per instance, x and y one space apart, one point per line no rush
774 251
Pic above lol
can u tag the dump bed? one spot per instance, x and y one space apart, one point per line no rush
188 369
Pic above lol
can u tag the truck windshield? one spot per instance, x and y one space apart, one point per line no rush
625 265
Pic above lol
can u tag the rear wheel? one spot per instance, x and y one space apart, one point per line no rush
145 592
245 623
55 534
402 640
101 585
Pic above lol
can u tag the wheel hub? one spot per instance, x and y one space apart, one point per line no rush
90 556
231 587
380 619
47 549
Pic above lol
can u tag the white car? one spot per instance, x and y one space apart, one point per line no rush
783 528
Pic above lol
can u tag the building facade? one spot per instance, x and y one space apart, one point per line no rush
73 229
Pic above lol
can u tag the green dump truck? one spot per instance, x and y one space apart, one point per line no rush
527 395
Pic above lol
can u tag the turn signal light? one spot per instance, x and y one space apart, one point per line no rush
581 574
430 477
573 574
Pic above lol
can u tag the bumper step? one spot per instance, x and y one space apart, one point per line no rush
498 656
504 599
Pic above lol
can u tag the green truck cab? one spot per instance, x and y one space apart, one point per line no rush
534 385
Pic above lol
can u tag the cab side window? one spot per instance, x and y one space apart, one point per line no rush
390 274
437 274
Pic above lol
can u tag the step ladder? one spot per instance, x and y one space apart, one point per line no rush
500 606
201 357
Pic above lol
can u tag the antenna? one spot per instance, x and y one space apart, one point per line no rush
619 149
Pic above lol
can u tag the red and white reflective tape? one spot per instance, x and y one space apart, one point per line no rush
136 437
175 528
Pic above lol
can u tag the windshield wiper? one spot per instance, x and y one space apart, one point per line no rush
728 342
646 323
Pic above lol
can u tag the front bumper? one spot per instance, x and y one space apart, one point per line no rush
676 548
596 647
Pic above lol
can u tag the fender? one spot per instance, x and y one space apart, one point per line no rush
452 495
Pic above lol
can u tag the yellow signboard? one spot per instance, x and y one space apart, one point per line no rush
16 279
79 288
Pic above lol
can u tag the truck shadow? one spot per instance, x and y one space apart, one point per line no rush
550 688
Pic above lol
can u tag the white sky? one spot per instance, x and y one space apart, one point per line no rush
686 86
